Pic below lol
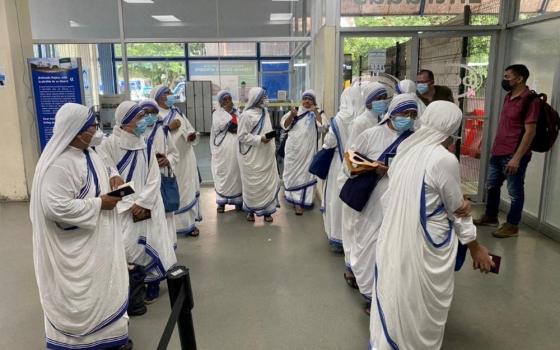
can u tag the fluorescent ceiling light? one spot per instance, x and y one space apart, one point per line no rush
139 1
74 24
166 18
300 64
280 16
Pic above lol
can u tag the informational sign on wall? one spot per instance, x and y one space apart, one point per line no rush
55 81
376 60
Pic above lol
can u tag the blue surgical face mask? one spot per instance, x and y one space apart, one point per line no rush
171 100
151 119
402 124
379 107
422 88
140 128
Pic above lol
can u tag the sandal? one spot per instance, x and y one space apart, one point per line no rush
251 217
268 218
299 210
221 209
351 281
195 232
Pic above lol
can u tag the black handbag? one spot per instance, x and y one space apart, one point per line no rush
282 147
321 162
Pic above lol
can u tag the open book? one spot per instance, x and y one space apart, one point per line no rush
358 163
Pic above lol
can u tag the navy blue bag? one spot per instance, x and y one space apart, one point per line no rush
321 163
170 192
357 190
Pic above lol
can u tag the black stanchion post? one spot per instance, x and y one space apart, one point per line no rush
178 278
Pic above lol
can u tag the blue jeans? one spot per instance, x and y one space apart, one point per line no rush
515 185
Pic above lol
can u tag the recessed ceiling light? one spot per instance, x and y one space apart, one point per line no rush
74 24
166 18
280 16
139 1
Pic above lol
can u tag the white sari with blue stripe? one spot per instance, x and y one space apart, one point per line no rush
257 162
86 296
147 242
301 146
225 166
186 171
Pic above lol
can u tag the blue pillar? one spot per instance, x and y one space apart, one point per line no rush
105 52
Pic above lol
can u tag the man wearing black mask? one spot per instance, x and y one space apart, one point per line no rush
511 150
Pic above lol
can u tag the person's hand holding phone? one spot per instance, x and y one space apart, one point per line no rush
115 182
481 257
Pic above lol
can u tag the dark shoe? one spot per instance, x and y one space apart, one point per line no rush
152 293
137 291
350 280
195 232
268 219
299 210
221 209
251 217
487 221
507 230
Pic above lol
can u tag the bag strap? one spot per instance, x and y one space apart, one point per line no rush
336 133
255 131
393 147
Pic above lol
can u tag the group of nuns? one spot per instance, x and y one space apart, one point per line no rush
100 258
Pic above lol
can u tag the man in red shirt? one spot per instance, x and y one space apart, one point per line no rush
511 151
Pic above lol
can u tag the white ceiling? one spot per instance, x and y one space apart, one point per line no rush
98 19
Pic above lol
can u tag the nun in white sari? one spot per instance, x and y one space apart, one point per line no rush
184 136
378 143
223 146
336 138
257 160
375 101
426 217
407 86
304 126
147 241
78 249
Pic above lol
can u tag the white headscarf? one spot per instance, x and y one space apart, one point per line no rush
373 90
159 91
149 103
346 109
311 94
125 112
255 96
357 100
221 95
400 103
69 120
408 87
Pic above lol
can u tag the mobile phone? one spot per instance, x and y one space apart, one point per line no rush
143 217
270 135
497 260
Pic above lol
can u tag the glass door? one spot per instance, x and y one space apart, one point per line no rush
461 64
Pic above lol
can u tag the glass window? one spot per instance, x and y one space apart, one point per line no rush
145 75
275 76
359 13
534 8
152 50
222 50
538 47
275 49
70 19
226 75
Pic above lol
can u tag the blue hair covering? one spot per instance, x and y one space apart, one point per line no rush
375 94
148 104
404 106
162 90
89 122
131 114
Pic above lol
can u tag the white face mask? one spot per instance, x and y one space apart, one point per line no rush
96 139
